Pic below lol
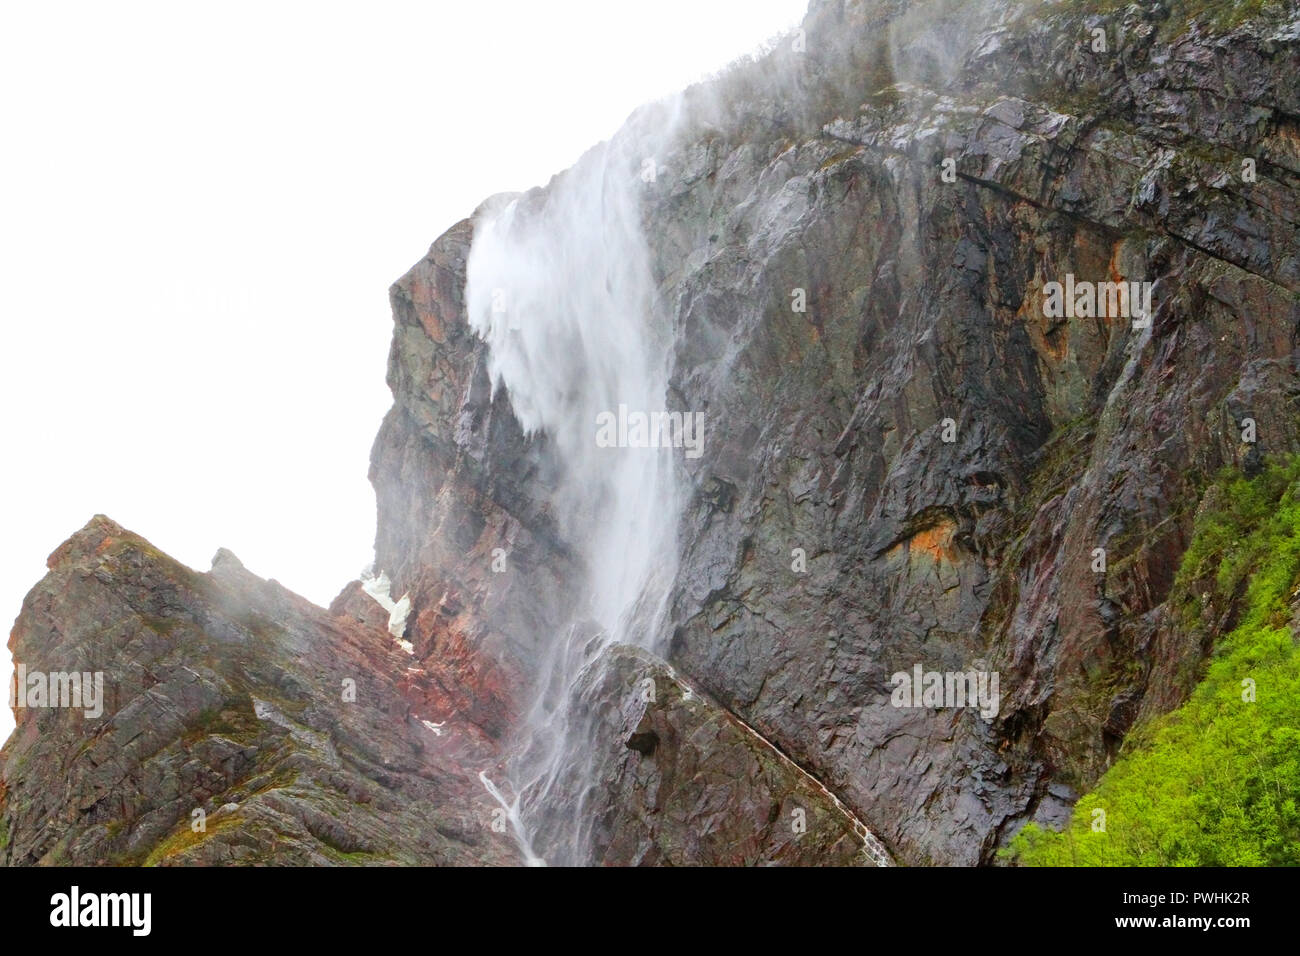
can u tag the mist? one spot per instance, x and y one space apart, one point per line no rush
203 213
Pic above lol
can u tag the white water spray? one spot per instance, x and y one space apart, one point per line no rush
511 808
559 285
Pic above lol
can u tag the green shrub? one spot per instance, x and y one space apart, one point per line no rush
1216 782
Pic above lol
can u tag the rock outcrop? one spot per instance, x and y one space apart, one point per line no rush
240 724
672 779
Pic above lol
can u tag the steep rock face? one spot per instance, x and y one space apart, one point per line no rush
925 304
291 729
919 468
462 491
671 779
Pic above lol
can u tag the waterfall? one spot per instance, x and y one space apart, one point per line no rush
559 286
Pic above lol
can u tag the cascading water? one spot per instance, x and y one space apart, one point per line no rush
559 286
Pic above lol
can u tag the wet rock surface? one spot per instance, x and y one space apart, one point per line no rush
671 779
917 468
240 725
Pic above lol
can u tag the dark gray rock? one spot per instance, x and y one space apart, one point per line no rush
822 171
227 701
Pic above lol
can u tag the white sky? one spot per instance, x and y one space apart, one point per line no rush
201 210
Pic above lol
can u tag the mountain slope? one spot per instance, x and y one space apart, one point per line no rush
819 175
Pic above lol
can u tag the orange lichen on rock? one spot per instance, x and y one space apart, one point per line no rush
934 542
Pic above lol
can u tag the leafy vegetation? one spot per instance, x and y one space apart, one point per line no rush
1216 782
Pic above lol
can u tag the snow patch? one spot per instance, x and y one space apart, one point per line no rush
379 588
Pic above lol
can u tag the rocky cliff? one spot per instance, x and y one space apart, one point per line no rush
240 724
1170 157
910 460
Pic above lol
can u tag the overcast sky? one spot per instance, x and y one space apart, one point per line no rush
202 209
